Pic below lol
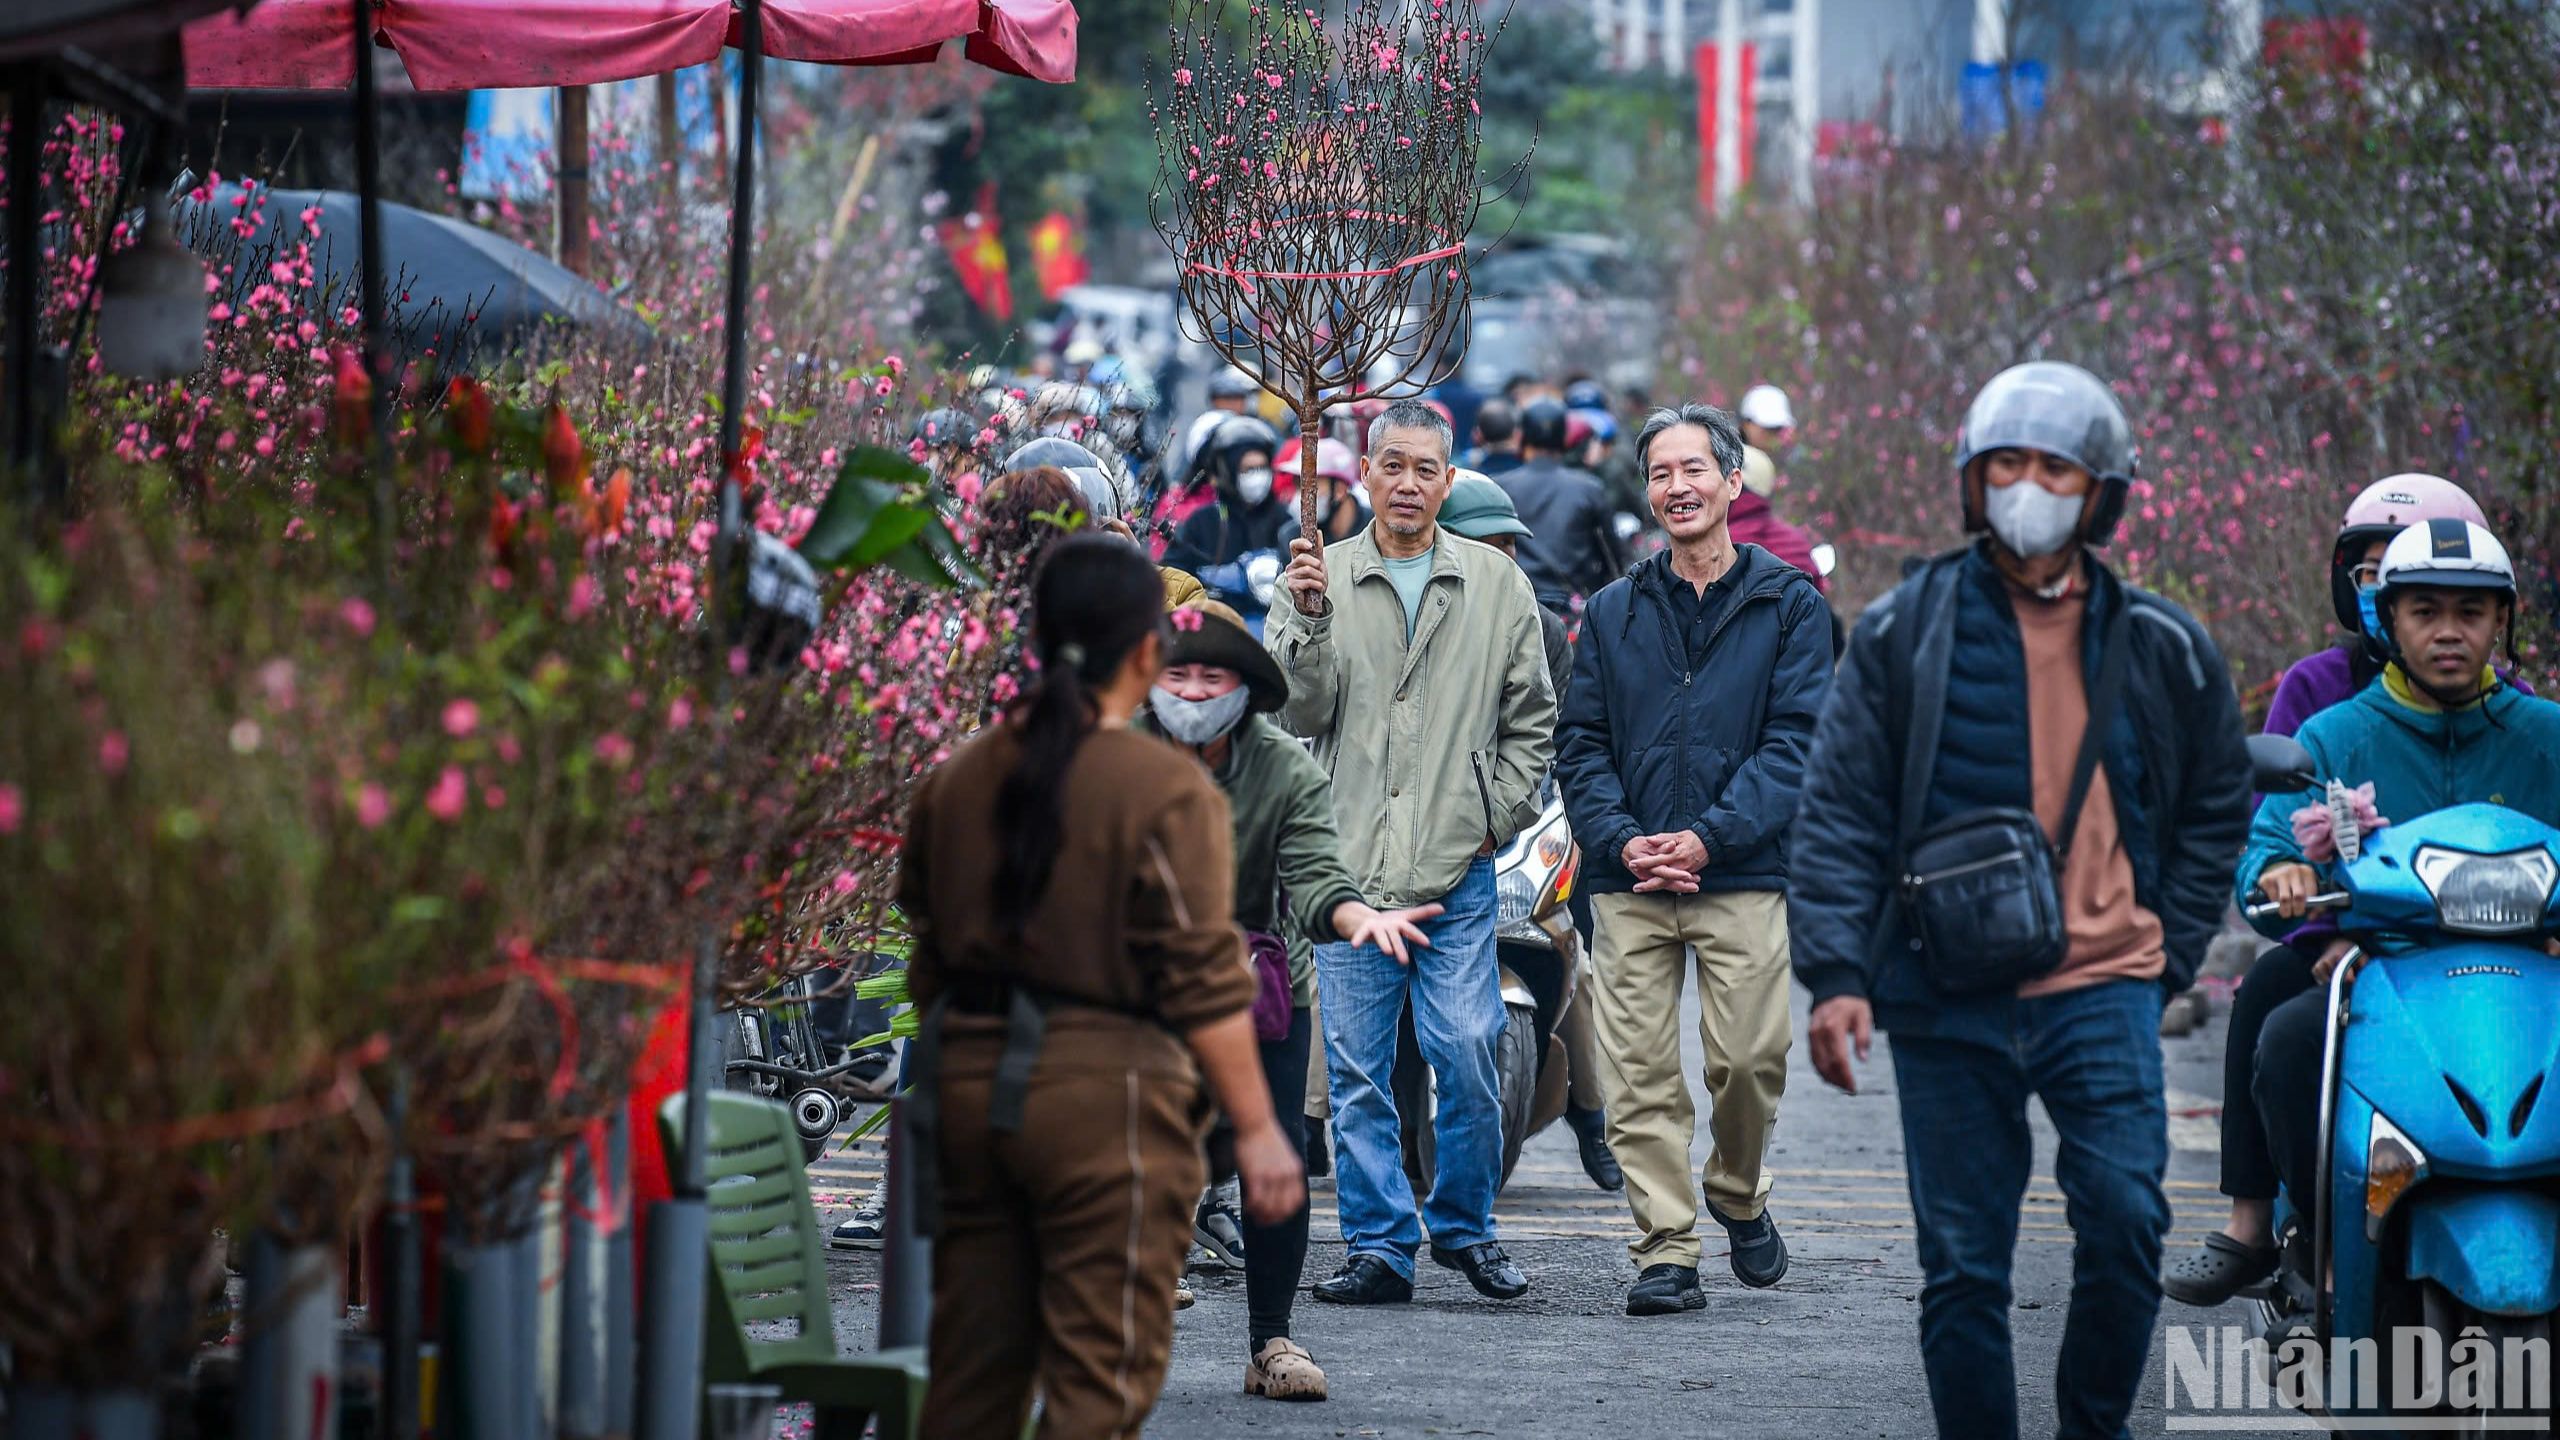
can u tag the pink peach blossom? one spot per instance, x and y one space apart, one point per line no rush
446 800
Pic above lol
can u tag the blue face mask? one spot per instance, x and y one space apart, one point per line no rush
2366 612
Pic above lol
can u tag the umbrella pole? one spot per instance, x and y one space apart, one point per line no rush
377 359
401 1279
26 274
679 1231
575 248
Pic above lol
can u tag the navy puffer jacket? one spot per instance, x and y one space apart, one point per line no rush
1648 745
2174 757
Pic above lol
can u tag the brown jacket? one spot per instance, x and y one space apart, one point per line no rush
1138 916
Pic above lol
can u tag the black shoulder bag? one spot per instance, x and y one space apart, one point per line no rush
1982 891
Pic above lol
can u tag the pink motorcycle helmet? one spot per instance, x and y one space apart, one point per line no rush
2384 509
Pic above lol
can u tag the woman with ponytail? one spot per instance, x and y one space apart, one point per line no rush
1085 994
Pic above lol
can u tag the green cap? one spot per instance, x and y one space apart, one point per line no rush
1478 509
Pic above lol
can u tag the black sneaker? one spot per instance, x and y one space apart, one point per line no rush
1319 1152
1365 1280
868 1225
1759 1253
1218 1225
1487 1268
1666 1290
1591 1132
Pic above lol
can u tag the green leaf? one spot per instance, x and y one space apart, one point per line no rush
893 528
871 479
888 985
418 909
870 1126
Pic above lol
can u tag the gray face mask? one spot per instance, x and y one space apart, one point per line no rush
2030 519
1197 722
1254 485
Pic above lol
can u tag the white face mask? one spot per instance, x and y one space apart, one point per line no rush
1197 722
2030 519
1254 486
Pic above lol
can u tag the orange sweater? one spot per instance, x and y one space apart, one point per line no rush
2112 936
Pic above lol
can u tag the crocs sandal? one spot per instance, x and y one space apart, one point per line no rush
2221 1269
1283 1371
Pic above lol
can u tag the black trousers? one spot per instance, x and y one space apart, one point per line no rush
1275 1256
2248 1169
2287 1089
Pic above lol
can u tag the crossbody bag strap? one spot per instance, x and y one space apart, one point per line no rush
1920 730
2102 716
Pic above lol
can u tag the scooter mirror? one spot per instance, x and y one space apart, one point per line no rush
2279 763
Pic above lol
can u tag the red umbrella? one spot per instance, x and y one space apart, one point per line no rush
497 44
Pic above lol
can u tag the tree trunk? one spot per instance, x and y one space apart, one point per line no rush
1310 417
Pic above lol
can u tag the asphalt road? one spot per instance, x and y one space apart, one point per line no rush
1833 1351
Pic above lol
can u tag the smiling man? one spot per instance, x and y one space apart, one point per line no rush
1416 664
1695 693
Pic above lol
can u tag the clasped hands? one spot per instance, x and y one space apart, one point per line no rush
1666 863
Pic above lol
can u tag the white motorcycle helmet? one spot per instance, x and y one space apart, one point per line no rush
2444 555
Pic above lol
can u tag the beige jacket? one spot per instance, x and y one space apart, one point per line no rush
1432 746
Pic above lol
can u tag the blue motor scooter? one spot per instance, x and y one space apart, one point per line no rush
2439 1204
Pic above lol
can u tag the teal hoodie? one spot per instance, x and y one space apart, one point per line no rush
2504 750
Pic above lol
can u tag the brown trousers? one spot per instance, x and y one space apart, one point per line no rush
1061 1243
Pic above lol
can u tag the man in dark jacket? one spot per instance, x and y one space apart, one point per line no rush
1683 740
1220 541
1572 548
1970 689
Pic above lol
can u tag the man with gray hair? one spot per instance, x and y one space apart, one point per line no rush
1699 679
1417 665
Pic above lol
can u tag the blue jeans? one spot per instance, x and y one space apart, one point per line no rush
1456 989
2093 1055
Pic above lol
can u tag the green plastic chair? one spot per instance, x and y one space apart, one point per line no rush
768 1263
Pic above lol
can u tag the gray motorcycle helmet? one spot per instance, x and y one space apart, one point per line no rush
1092 477
2062 410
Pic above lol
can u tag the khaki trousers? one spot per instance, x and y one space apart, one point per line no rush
1061 1242
1641 951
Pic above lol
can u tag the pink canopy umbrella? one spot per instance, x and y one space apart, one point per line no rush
499 44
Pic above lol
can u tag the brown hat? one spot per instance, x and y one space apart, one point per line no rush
1205 632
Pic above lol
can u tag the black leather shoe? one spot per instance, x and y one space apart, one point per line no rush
1591 1132
1666 1290
1759 1253
1486 1268
1365 1280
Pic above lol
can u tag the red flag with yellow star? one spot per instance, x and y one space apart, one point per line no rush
1057 254
975 243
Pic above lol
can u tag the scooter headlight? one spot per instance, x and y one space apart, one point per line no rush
2392 1163
1515 899
2488 894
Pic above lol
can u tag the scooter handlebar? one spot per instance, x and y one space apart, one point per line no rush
2326 900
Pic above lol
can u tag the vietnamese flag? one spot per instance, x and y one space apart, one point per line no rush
975 244
1057 254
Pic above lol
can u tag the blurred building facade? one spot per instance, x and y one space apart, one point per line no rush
1811 79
